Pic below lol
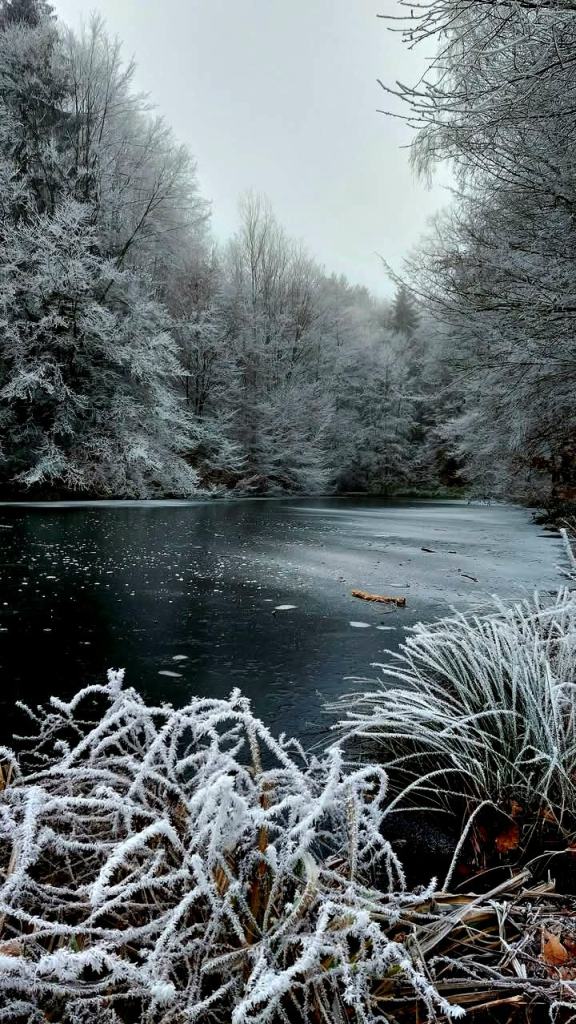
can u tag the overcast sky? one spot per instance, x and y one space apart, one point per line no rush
282 97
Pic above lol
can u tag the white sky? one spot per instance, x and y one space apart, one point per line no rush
282 97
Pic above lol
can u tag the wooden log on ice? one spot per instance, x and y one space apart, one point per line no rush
399 601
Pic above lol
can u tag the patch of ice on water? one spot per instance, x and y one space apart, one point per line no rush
387 627
284 607
180 657
360 625
167 672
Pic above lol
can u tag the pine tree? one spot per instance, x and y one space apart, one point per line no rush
404 317
24 12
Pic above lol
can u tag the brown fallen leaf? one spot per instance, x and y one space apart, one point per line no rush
553 952
509 839
515 808
10 948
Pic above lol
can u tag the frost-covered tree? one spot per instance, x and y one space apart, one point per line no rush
86 390
208 379
125 160
498 103
404 318
33 84
273 312
91 186
324 392
375 414
25 12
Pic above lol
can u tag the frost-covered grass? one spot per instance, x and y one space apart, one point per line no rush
162 865
481 707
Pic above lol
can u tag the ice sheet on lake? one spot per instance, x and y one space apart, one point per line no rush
315 551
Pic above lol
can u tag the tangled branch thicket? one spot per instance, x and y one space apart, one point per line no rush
153 869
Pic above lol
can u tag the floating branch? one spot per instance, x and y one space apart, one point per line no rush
400 602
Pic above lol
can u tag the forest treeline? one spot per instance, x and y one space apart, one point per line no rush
496 273
139 358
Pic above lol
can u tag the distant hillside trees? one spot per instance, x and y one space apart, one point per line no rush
137 357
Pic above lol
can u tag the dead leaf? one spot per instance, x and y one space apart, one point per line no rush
509 840
10 948
465 869
553 952
515 809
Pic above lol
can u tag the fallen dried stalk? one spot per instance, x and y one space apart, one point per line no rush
400 602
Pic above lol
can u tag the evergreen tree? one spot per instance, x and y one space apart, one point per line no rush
404 317
24 12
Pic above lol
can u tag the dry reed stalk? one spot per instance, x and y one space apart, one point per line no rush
400 602
6 773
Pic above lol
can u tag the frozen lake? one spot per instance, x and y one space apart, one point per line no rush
190 589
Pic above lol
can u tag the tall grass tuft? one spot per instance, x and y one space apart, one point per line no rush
480 707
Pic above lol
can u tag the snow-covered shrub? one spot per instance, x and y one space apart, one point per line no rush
162 865
479 706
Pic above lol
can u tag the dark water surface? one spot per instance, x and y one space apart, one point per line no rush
140 584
